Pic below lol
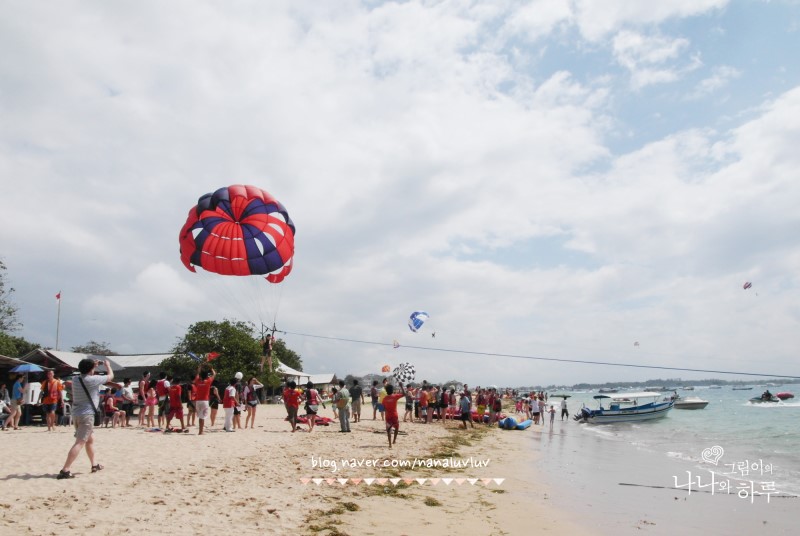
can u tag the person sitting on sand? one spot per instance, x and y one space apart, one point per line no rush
390 407
112 412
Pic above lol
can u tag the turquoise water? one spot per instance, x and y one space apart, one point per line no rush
761 434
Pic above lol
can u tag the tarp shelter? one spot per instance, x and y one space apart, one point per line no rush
65 363
6 364
290 374
9 362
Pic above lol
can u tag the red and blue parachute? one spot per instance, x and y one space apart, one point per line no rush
240 231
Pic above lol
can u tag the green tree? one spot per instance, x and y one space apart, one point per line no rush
94 348
180 366
234 340
15 346
8 311
288 357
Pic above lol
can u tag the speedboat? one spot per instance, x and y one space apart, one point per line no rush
690 402
626 407
741 388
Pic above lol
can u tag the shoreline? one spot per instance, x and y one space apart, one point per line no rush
568 481
617 487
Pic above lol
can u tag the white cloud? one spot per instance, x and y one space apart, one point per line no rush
599 19
720 77
652 59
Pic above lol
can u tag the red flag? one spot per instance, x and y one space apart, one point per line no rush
58 296
210 356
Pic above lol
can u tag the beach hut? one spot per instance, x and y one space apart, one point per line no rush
324 382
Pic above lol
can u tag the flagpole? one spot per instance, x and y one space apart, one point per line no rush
58 318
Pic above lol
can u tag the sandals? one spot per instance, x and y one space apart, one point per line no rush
96 468
65 474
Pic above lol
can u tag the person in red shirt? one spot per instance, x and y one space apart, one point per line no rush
291 399
175 404
392 417
202 385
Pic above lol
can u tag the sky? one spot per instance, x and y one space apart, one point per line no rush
554 179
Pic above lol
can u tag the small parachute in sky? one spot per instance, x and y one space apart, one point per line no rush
747 285
404 373
386 368
416 320
636 344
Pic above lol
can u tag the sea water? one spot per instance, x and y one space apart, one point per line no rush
764 438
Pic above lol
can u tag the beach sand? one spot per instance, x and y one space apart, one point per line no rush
270 481
257 481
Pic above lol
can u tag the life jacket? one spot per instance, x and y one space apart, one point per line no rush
228 401
497 405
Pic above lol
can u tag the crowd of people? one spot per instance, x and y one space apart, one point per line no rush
534 407
196 402
423 404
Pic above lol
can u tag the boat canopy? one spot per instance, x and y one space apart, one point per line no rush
622 396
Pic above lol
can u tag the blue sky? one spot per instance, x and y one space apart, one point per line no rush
551 178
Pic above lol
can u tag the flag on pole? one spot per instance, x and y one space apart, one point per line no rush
193 356
212 355
58 296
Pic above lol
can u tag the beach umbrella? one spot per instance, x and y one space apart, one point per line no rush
27 367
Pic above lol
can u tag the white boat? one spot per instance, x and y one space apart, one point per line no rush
627 407
690 402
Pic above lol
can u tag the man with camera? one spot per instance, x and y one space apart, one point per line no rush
85 401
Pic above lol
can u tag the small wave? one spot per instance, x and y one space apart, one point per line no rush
681 456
